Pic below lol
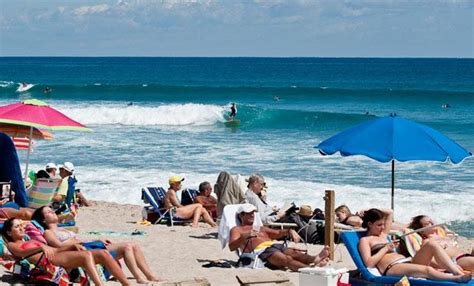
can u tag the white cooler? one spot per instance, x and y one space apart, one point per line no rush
317 276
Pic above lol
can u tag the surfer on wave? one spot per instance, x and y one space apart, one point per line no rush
233 111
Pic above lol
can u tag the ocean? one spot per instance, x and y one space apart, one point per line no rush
154 117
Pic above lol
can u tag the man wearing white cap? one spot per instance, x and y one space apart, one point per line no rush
68 181
52 170
194 211
248 239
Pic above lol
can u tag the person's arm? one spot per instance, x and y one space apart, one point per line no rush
237 238
354 221
205 202
388 219
369 259
278 234
53 240
19 252
173 199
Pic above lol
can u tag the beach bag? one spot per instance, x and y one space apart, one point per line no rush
310 231
41 272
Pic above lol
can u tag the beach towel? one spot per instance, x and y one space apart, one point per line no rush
409 244
228 192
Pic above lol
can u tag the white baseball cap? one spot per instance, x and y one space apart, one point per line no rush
51 166
246 208
68 166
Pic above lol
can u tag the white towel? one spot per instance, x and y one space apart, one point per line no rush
229 220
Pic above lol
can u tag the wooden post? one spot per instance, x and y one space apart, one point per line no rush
329 199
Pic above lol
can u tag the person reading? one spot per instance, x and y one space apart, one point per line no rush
377 251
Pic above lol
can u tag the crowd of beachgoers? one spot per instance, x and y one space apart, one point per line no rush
44 244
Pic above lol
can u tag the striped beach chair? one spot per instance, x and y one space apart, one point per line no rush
42 192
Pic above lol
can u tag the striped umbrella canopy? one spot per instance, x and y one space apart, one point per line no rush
37 114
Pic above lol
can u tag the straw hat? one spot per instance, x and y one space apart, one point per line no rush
305 210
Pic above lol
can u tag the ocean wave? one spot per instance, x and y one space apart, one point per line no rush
171 115
87 90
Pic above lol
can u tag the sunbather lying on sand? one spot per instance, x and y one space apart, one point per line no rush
194 211
377 251
248 239
463 259
13 233
60 237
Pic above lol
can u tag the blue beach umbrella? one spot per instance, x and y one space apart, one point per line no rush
393 138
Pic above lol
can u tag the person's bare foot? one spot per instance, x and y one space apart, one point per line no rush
154 278
322 255
142 281
194 225
464 278
323 262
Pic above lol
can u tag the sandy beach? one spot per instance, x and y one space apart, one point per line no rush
176 253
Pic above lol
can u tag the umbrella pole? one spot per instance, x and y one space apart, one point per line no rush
393 184
28 153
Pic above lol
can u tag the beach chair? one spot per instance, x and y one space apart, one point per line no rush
42 192
228 221
153 196
372 275
188 196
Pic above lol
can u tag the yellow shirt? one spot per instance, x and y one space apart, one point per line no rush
62 190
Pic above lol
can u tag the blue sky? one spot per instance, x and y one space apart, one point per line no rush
302 28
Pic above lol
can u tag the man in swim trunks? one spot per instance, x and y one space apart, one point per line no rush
249 239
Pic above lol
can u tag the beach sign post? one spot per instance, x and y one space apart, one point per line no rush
392 138
34 113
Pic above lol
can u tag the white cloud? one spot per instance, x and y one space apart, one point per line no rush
84 10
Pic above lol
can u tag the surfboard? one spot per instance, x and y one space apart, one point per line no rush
24 87
232 122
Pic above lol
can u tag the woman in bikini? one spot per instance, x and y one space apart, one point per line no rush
194 211
13 232
377 251
60 237
463 259
344 216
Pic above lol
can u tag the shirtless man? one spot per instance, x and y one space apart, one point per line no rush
248 239
194 211
206 200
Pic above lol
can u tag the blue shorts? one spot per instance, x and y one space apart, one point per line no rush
98 245
10 205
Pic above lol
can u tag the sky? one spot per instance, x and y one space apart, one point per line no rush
255 28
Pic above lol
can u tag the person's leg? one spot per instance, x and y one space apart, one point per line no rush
432 249
125 251
320 260
466 263
190 211
423 271
104 258
142 264
74 259
207 217
283 261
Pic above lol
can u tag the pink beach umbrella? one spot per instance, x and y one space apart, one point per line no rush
37 114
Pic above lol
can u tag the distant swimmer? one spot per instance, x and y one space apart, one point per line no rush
276 98
47 89
233 111
446 105
130 103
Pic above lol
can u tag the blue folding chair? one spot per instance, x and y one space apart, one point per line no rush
154 197
351 240
188 196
